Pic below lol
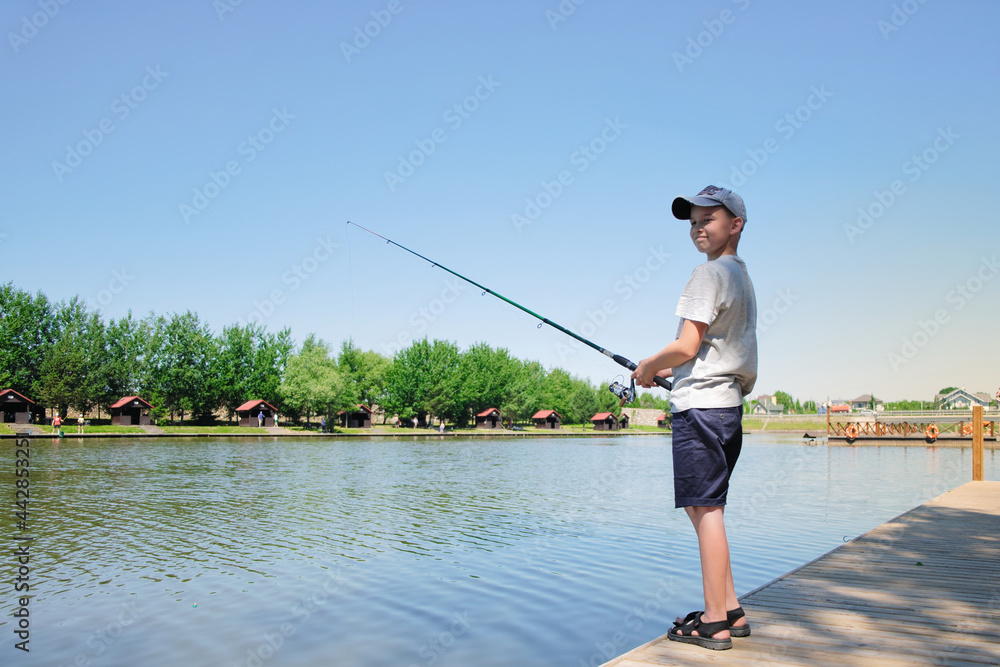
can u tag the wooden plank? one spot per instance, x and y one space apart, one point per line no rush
867 602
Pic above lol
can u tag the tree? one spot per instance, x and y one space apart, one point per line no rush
312 383
784 400
424 378
181 370
365 373
123 372
488 379
27 331
250 364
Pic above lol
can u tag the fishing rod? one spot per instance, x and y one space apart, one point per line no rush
627 394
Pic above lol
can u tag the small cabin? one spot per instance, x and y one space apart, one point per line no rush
489 418
547 419
360 418
662 421
14 407
249 414
623 422
131 411
605 421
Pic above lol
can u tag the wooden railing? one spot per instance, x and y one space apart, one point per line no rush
975 428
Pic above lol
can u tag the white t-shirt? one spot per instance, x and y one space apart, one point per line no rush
721 295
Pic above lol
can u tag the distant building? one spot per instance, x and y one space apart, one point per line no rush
865 402
960 399
14 407
131 411
360 418
605 421
623 421
547 419
489 418
248 414
663 420
767 405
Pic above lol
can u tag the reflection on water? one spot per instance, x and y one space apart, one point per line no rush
414 551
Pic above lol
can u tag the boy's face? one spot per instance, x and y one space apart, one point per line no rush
715 231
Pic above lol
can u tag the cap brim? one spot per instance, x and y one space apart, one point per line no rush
681 208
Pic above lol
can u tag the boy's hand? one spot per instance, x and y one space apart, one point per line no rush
644 374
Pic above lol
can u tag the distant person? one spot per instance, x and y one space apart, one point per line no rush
79 424
713 361
56 423
260 419
322 425
441 427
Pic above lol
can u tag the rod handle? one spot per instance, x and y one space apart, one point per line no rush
662 382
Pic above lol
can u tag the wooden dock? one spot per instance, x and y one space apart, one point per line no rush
922 589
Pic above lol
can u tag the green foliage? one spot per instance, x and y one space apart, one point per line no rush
424 379
249 364
784 400
366 373
313 384
27 332
180 358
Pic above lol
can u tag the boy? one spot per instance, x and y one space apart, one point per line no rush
714 365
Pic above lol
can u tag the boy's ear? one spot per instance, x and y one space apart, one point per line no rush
738 224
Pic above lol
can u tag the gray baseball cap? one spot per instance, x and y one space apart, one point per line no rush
710 196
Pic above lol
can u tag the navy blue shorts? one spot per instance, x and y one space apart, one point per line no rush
706 444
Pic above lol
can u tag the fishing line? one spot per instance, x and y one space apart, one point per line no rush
617 358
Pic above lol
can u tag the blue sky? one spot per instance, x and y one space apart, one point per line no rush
206 156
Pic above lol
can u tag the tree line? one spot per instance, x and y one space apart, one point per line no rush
62 355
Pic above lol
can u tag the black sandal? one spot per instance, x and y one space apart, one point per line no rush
685 633
732 616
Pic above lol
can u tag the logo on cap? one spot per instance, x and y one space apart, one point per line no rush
710 190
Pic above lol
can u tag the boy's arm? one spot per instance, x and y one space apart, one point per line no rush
676 353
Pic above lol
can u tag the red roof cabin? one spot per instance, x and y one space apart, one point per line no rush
605 421
256 413
547 419
14 407
131 411
662 421
489 418
360 418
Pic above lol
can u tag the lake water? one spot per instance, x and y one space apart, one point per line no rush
414 551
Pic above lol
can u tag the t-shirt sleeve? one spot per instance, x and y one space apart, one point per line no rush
700 299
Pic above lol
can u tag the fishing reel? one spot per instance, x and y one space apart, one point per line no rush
625 393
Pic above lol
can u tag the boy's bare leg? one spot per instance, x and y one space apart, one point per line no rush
716 571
